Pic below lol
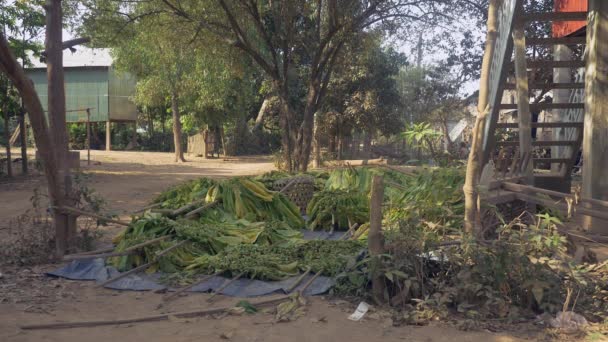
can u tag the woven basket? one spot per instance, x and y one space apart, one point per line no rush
300 190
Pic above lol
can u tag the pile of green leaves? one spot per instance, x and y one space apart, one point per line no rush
331 209
185 193
257 262
279 262
251 200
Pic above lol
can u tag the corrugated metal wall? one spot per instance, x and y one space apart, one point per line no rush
93 87
121 89
564 28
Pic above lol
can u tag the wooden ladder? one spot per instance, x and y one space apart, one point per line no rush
509 72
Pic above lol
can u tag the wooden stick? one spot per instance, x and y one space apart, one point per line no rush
97 251
356 236
95 256
163 317
107 255
206 206
310 281
351 231
144 266
93 215
162 211
187 207
152 206
298 281
184 289
224 286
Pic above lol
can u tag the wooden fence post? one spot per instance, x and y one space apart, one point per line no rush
375 239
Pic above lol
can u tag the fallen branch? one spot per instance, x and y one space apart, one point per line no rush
144 266
71 210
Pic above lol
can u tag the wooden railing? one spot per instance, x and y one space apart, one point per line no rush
500 60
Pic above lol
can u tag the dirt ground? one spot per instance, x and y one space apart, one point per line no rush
128 181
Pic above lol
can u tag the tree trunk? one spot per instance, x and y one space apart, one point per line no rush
223 140
317 145
305 133
367 145
286 118
177 129
332 144
259 120
31 102
471 216
65 224
448 145
7 136
23 138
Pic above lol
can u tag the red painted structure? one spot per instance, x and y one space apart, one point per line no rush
564 28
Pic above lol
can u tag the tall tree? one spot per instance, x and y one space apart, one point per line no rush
291 41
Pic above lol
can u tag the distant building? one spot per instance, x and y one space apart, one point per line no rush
90 82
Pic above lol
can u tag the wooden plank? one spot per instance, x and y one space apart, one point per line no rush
520 188
543 125
541 106
557 41
562 206
555 16
537 85
550 64
551 160
539 143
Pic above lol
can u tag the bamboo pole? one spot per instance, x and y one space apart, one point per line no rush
472 220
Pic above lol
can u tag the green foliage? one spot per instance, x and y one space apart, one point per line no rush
330 209
185 193
433 198
249 199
